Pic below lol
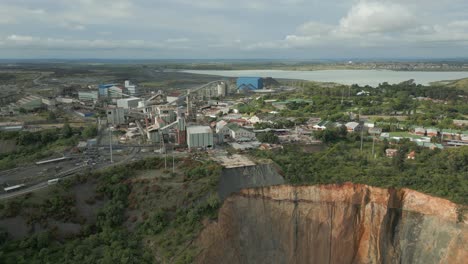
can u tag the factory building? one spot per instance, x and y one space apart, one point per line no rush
88 96
222 89
249 83
30 103
153 134
115 92
166 113
132 89
116 116
181 132
49 102
104 89
128 103
199 137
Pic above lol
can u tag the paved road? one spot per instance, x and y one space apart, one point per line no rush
134 155
130 157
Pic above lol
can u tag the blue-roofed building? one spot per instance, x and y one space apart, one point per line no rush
249 83
104 89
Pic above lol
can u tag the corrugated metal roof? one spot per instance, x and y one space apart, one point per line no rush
199 129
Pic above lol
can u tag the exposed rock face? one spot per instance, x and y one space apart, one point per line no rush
335 224
233 180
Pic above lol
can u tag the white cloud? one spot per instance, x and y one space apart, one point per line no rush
375 23
232 28
377 17
20 38
314 28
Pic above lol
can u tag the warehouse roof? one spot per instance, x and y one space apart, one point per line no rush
199 129
29 99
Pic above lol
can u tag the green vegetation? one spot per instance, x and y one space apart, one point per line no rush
437 105
440 173
32 146
268 137
164 234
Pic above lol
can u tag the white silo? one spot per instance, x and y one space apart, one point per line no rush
221 89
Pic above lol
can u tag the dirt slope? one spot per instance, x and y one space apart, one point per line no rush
335 224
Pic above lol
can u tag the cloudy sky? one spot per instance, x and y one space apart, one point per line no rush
283 29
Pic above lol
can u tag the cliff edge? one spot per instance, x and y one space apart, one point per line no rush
348 223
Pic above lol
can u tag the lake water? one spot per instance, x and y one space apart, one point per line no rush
361 77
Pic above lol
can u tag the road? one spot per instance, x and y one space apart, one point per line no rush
42 185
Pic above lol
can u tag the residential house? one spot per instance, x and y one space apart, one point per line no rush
222 130
255 119
464 136
420 131
353 126
240 122
450 133
432 132
411 155
321 125
375 131
239 133
391 152
460 122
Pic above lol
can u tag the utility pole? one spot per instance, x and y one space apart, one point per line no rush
362 129
164 149
373 146
173 165
342 95
110 144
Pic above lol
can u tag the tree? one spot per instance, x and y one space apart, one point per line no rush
90 131
51 116
268 137
67 130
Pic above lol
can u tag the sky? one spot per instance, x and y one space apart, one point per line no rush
227 29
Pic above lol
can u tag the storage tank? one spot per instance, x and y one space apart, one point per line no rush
222 89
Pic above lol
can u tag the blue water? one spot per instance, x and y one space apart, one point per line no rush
361 77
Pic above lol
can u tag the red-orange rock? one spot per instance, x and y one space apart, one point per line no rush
335 224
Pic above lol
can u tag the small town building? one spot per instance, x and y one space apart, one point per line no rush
411 155
391 152
11 126
432 132
376 131
322 125
353 126
239 133
420 131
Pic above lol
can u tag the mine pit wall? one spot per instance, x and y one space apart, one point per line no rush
335 224
233 180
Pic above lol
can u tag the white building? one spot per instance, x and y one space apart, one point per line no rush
116 116
88 96
238 133
128 103
132 88
115 92
30 103
353 126
199 137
